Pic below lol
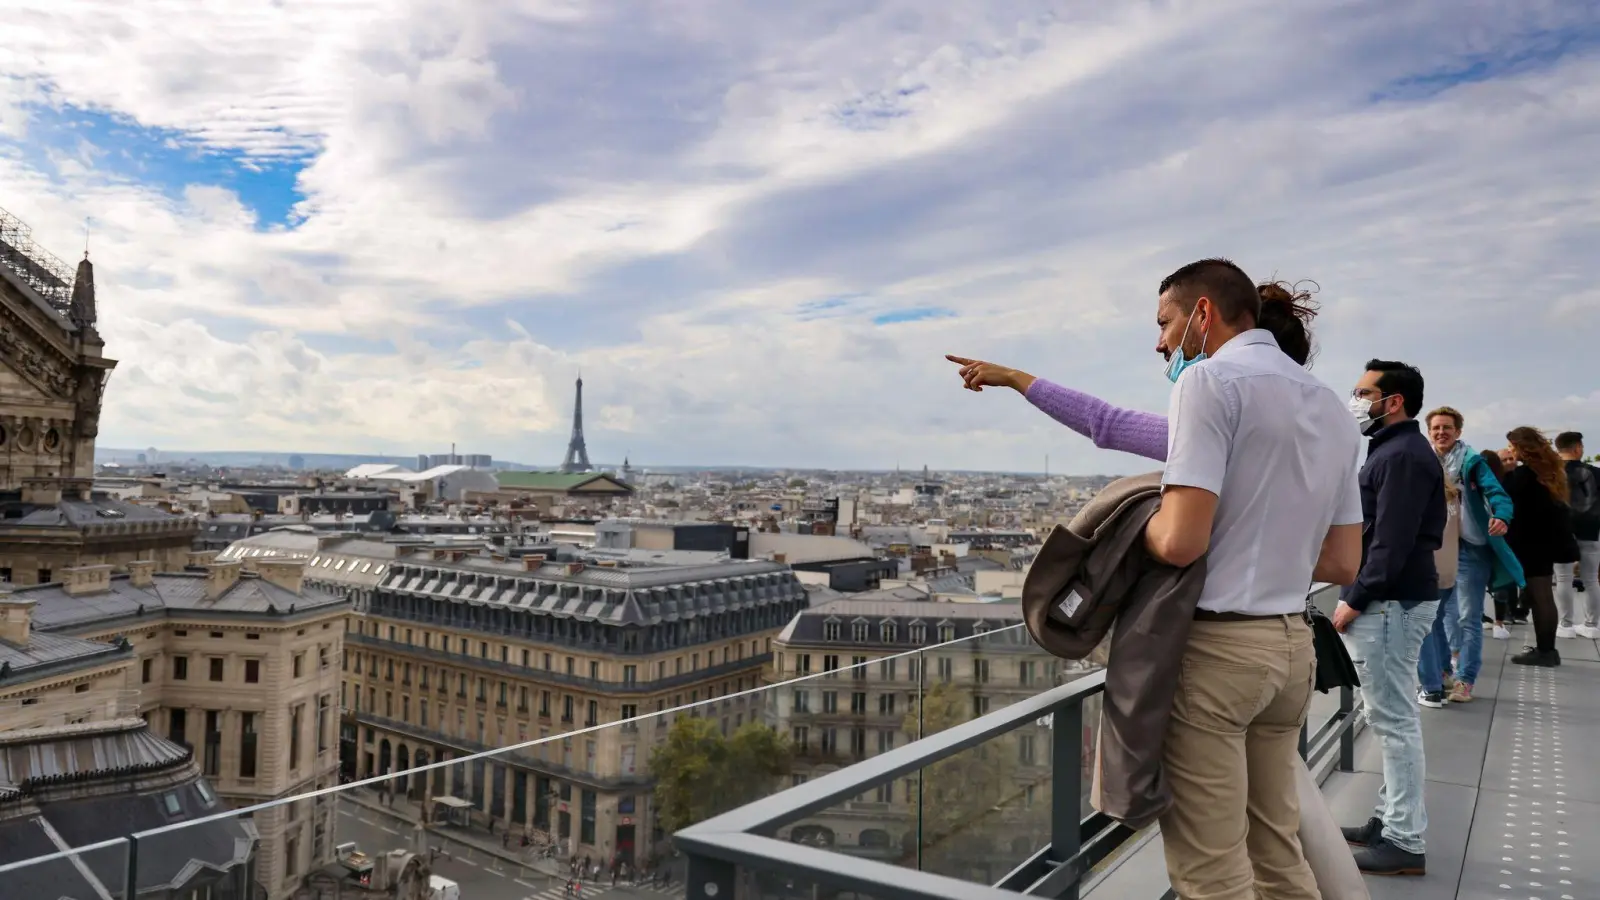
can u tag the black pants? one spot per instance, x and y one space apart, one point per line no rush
1505 604
1540 598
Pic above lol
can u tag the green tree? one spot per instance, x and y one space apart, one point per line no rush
699 773
971 804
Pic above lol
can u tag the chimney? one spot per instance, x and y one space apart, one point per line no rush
532 562
201 557
81 580
780 557
41 491
16 617
574 568
220 576
288 574
141 572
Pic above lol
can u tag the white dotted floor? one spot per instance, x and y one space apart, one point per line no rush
1540 810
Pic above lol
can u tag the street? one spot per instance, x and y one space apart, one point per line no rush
481 876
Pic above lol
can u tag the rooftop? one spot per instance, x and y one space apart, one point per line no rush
172 593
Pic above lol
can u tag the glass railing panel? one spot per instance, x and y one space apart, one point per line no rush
488 795
995 797
33 865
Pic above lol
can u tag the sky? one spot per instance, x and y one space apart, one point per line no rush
350 226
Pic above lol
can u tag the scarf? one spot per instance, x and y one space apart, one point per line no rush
1454 460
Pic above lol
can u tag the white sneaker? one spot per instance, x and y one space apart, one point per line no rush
1501 633
1588 631
1566 631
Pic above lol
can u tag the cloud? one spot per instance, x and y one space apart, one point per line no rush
383 227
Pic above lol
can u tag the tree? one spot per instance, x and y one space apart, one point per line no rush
972 804
699 773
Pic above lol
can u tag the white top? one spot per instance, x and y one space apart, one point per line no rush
1282 452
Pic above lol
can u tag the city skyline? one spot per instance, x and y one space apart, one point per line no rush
315 230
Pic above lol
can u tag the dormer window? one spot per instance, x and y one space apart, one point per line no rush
886 631
947 632
830 630
858 631
919 633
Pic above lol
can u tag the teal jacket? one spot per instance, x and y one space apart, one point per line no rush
1483 498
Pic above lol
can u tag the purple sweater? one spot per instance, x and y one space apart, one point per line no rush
1110 427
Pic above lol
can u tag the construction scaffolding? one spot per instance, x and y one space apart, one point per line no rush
42 271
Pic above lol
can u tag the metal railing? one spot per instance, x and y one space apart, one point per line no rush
745 839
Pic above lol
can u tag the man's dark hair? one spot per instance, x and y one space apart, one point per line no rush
1399 378
1235 295
1569 440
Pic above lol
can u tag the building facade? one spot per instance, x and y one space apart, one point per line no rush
456 652
239 668
53 374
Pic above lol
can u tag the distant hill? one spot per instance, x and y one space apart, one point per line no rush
247 458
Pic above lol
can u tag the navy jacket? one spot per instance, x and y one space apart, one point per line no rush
1403 513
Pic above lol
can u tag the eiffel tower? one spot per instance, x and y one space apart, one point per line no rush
577 453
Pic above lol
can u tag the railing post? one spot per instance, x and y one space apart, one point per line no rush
1347 738
709 879
130 878
1066 796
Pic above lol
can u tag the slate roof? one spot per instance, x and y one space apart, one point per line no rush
50 654
101 510
48 811
174 592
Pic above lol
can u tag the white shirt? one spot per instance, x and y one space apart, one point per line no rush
1281 451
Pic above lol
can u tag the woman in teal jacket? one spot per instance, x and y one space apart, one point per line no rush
1486 562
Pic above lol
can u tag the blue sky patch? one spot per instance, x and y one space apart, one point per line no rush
168 160
914 314
1537 50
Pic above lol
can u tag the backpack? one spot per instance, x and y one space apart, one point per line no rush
1585 488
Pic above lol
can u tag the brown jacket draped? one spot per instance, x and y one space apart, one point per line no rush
1095 577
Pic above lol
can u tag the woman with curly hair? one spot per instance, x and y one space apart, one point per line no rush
1540 535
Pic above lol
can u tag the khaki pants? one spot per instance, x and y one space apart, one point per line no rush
1231 755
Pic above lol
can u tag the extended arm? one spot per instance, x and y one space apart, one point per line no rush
1500 505
1110 427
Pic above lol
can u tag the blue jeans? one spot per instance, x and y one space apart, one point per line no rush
1434 659
1474 565
1384 642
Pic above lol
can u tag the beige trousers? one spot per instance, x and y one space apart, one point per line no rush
1232 757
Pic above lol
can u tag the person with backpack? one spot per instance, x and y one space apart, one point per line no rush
1583 480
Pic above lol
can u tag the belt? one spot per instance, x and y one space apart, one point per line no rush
1206 615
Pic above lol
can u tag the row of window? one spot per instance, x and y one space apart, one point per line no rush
216 667
212 730
1028 671
527 657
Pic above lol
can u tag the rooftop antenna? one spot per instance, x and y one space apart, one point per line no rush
88 227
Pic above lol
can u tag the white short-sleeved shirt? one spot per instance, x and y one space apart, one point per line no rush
1282 452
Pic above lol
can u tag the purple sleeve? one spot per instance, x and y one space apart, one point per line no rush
1110 427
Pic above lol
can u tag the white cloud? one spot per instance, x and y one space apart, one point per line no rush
704 205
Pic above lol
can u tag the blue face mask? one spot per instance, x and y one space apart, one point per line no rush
1177 364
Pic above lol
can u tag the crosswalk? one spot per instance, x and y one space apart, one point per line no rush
590 891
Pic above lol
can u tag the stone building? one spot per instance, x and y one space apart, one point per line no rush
456 652
238 667
53 374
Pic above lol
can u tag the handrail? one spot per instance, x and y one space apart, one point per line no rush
744 838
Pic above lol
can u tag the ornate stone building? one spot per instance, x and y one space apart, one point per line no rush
53 374
235 665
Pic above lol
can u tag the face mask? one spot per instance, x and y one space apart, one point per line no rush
1362 410
1178 363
